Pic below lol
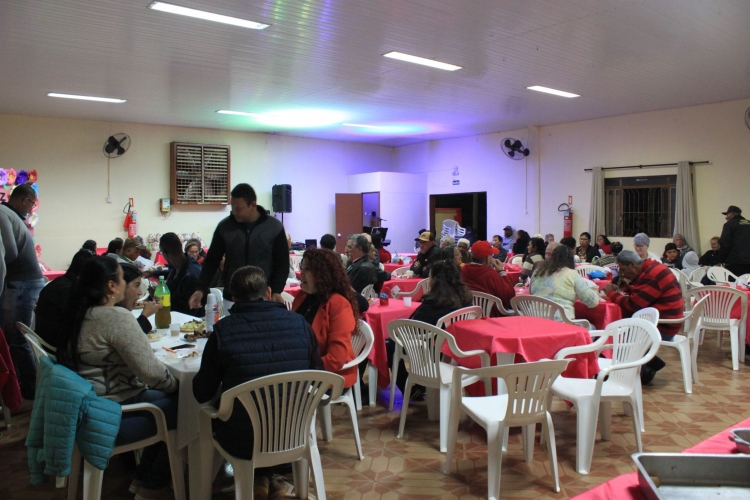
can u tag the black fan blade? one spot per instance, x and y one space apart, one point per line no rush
511 153
507 143
517 145
111 145
121 151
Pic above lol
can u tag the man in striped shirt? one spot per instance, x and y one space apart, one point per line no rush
649 284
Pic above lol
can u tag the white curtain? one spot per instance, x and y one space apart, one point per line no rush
685 222
596 214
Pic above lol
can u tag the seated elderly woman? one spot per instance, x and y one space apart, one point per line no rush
133 278
105 345
328 303
557 280
451 253
641 242
681 244
447 241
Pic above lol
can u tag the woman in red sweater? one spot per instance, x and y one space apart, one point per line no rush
328 303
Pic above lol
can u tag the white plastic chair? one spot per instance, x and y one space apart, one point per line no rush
49 349
288 299
682 279
144 290
611 266
717 316
423 285
368 292
517 260
522 401
92 477
294 262
635 342
539 307
281 409
362 345
487 301
694 284
688 356
451 228
423 344
584 270
743 280
400 271
720 275
219 294
697 275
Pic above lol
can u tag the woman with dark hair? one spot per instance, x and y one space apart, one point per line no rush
194 250
114 248
328 303
522 242
603 245
447 293
671 257
534 255
89 245
105 346
451 253
556 279
53 299
133 278
586 252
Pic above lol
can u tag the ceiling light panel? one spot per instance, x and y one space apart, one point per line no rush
208 16
87 98
421 60
548 90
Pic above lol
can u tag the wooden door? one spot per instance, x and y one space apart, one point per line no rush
348 218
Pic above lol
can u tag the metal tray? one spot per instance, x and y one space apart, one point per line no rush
667 476
741 438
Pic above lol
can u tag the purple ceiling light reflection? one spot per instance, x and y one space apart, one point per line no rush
389 128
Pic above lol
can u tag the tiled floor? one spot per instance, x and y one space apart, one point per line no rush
412 468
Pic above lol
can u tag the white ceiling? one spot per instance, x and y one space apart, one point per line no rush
621 56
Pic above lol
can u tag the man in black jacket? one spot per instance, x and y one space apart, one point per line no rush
261 337
361 272
427 256
735 242
248 237
183 277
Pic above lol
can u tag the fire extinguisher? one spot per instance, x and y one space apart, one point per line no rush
130 224
567 212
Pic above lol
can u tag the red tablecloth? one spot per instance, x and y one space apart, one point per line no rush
513 272
600 316
404 285
378 317
52 274
737 314
390 267
626 487
530 338
9 388
292 290
602 283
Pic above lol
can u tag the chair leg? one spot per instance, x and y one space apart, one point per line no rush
453 418
605 419
358 392
61 482
687 370
244 479
92 482
75 474
355 426
372 383
404 409
176 466
495 433
317 471
506 433
639 399
636 425
588 413
301 474
445 408
719 338
327 427
528 433
741 336
734 338
694 360
206 453
394 376
551 450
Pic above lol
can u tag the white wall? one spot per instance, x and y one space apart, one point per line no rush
73 178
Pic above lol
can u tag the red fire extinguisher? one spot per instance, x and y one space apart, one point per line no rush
567 212
130 224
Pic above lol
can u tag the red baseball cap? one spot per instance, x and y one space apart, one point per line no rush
482 249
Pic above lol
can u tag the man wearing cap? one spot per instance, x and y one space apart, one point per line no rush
497 242
482 275
735 242
509 239
131 250
427 256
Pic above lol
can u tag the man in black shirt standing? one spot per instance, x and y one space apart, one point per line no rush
735 242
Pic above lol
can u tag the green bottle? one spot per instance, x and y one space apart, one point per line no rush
163 297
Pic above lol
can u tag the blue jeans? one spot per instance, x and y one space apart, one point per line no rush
19 299
153 469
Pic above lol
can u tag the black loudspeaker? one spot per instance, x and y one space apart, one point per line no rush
282 198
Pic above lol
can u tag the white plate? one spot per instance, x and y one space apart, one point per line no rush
156 337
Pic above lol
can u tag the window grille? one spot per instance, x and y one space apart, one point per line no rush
200 174
641 205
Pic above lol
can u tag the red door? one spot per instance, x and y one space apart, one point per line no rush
348 218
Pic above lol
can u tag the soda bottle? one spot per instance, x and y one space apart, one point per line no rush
163 297
212 312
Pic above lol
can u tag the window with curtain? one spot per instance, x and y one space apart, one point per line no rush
641 205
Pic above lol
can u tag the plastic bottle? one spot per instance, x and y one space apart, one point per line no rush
212 312
163 297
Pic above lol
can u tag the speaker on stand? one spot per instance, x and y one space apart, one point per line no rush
281 199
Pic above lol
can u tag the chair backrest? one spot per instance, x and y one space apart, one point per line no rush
471 312
743 280
691 285
381 266
718 308
584 270
400 271
424 285
487 301
219 300
526 384
697 315
451 228
538 307
362 341
369 292
650 314
632 340
698 274
517 260
720 275
294 261
144 290
281 408
423 344
288 299
49 349
36 348
613 265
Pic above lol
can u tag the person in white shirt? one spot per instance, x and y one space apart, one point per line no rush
641 242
